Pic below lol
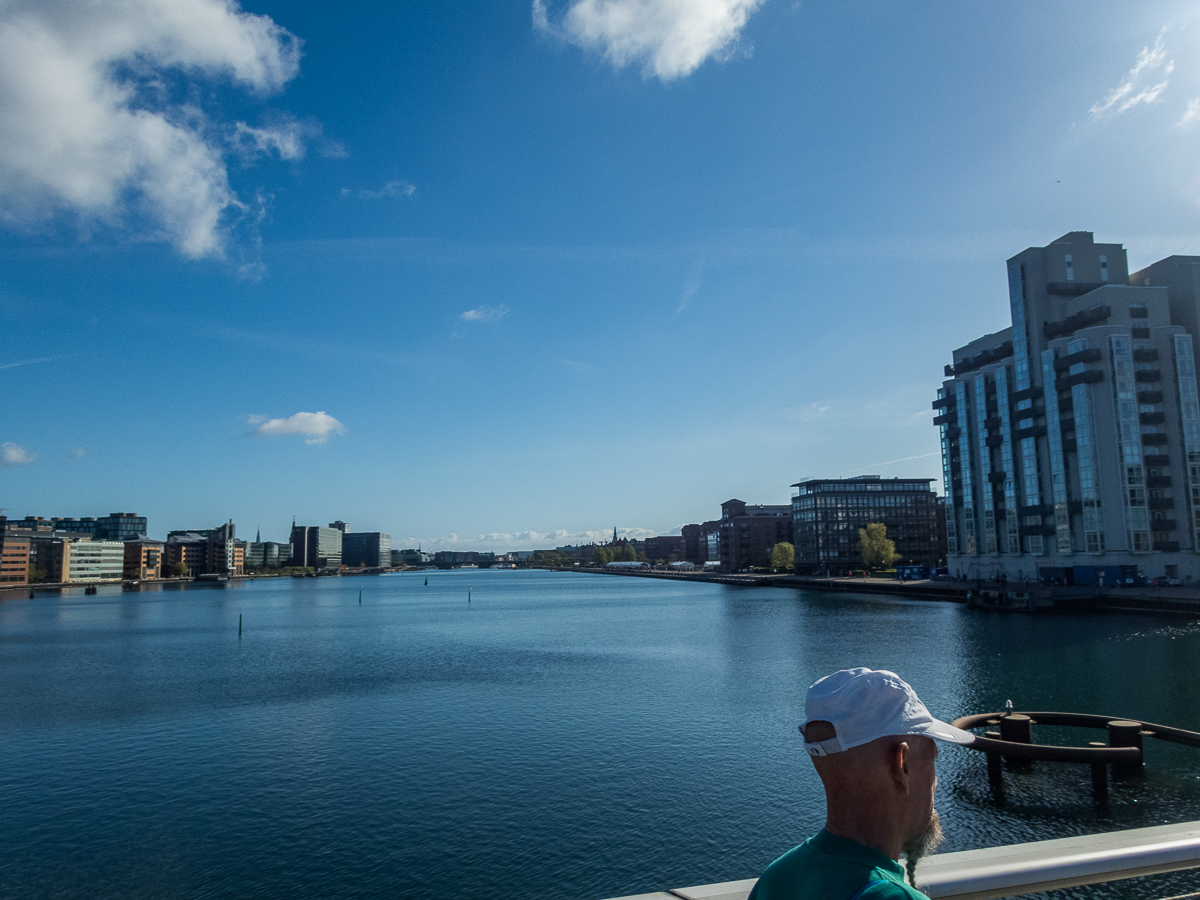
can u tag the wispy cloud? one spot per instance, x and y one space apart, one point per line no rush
485 314
1191 114
669 39
316 427
391 189
892 462
1152 64
90 131
15 455
27 362
690 286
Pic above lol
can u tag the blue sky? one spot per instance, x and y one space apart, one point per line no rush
501 275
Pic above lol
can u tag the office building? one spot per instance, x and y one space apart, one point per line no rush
827 514
367 549
14 557
143 558
92 560
741 539
113 527
411 557
667 546
206 551
320 548
1071 440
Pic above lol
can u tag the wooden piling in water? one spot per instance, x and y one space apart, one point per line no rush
1125 733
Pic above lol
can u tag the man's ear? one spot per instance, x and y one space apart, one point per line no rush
901 757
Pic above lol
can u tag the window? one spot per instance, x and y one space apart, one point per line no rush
1070 270
1104 269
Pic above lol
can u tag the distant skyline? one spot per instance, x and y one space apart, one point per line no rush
500 276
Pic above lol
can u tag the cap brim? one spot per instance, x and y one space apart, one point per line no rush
941 731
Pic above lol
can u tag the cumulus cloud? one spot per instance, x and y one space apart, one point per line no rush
669 39
485 314
1152 64
317 427
1191 114
99 121
391 189
15 455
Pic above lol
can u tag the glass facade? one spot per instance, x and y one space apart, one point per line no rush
1058 469
1189 413
985 466
1137 515
968 545
1012 529
1030 482
1086 458
948 481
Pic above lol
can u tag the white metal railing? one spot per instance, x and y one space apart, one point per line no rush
1018 869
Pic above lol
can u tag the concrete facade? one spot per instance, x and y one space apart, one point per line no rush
1071 440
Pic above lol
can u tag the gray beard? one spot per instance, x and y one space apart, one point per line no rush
922 845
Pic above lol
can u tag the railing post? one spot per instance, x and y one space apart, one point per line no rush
1125 733
1017 729
1099 775
995 768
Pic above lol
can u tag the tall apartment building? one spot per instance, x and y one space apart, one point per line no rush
1071 440
828 512
371 549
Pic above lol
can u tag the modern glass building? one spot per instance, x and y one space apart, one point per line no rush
96 561
370 549
828 512
1071 440
320 548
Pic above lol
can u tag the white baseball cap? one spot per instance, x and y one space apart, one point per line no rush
866 704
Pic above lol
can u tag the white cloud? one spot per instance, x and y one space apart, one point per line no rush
668 38
15 455
502 541
1134 90
1191 114
94 127
391 189
317 427
485 314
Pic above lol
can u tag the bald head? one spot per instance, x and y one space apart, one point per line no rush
879 793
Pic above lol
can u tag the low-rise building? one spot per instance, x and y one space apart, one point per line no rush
828 513
86 561
143 558
668 546
209 551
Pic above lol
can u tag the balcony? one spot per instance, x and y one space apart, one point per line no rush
1139 312
1152 418
1043 509
1158 481
994 440
997 477
1073 288
1145 355
991 423
1034 431
1156 459
1089 376
1167 546
1154 440
1160 503
1081 319
1150 396
944 418
1164 525
1145 375
1067 425
942 402
1141 333
1092 354
1030 393
1045 530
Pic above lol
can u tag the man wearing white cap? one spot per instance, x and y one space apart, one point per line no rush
874 745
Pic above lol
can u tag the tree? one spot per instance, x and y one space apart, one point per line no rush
783 556
601 556
878 551
177 569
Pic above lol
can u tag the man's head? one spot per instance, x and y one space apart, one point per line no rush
874 745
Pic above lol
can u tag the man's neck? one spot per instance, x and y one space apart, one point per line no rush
875 835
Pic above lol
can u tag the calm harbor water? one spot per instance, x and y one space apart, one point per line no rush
560 735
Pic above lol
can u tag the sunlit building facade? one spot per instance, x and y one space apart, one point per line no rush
1071 440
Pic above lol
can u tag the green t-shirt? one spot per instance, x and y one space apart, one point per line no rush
828 867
